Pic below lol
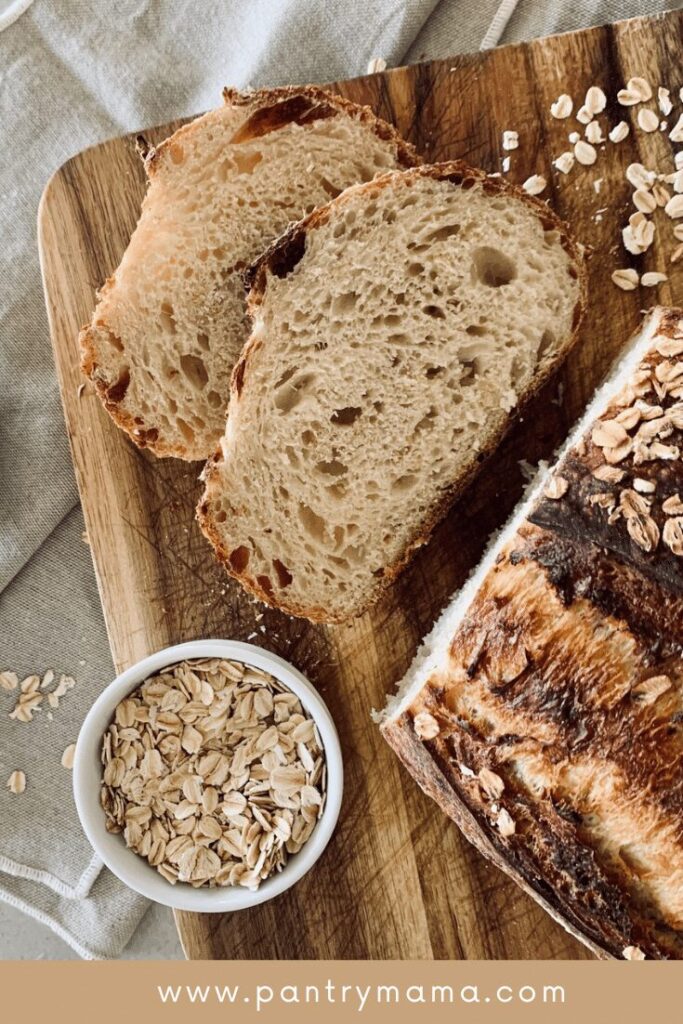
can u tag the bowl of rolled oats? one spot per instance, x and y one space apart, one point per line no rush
209 776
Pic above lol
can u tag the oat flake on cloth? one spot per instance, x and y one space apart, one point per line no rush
72 73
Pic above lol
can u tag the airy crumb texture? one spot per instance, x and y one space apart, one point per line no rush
171 321
214 773
394 333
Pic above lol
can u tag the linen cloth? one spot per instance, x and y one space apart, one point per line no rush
73 73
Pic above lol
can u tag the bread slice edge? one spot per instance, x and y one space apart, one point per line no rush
281 257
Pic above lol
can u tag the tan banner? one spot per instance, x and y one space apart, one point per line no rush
330 991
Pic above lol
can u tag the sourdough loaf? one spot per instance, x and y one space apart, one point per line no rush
171 321
395 333
544 713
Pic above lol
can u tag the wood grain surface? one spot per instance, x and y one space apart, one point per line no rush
398 880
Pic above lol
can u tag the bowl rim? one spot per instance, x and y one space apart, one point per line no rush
130 867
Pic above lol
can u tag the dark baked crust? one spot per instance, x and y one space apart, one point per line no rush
281 258
437 783
274 108
583 513
585 712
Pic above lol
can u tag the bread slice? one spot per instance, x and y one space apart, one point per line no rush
171 322
544 713
395 332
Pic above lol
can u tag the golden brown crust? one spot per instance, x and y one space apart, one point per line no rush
274 108
282 256
142 437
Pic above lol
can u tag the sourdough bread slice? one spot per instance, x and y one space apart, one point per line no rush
171 321
395 331
543 713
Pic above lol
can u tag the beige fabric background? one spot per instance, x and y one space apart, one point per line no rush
72 73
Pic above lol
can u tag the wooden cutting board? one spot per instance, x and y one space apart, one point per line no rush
397 881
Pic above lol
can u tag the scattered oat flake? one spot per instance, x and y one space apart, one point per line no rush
597 185
573 137
626 279
639 234
584 115
677 253
678 160
628 97
376 64
556 488
510 140
505 824
633 953
562 107
505 164
491 784
641 87
68 756
673 506
564 162
425 725
65 684
674 208
639 176
608 434
652 278
595 101
664 100
8 680
644 200
643 531
676 133
16 782
610 474
535 184
648 121
619 132
594 134
672 535
585 153
661 195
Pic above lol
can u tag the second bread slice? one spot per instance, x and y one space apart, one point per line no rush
394 332
171 321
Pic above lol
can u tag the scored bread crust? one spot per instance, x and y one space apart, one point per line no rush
280 258
277 107
552 555
400 735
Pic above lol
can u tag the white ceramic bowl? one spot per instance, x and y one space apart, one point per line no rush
133 869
